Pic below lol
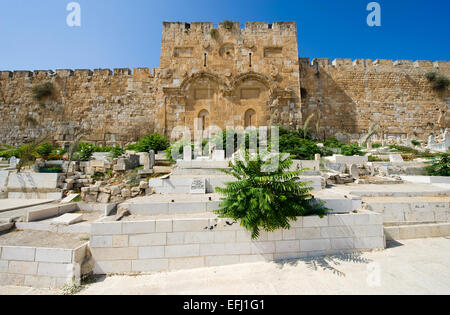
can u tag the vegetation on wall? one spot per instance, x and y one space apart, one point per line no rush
440 167
213 33
42 91
266 200
438 82
227 24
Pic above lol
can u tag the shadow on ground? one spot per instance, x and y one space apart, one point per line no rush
327 263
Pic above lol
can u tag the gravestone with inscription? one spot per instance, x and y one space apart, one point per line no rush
198 186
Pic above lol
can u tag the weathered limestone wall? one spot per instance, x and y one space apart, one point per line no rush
352 95
241 76
106 106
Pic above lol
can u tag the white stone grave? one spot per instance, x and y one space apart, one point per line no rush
198 186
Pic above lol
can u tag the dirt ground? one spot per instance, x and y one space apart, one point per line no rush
43 239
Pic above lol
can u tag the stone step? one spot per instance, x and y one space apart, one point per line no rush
415 231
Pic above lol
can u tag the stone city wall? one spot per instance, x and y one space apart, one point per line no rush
225 75
396 95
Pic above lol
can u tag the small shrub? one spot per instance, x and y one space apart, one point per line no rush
439 83
154 142
376 145
266 200
116 151
214 33
440 167
43 90
294 143
45 149
227 24
431 76
416 143
85 151
333 143
352 149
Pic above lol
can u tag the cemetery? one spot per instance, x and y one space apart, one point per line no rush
142 212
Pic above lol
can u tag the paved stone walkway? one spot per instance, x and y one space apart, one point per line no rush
412 267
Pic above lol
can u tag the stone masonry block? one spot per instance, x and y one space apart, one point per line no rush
4 266
138 227
263 247
148 239
224 236
187 207
369 243
23 267
101 241
53 255
175 238
308 233
163 226
199 237
18 253
315 245
315 221
211 261
55 270
178 251
186 263
120 241
112 267
150 265
342 243
151 252
192 225
101 254
106 228
287 246
341 219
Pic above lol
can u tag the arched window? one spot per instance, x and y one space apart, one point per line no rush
203 120
250 118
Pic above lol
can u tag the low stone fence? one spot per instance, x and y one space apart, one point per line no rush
41 267
173 244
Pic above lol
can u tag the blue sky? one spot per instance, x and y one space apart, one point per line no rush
127 33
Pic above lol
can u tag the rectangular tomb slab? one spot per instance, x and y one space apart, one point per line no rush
68 219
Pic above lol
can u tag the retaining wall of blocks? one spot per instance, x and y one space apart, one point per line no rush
173 244
41 267
419 212
407 232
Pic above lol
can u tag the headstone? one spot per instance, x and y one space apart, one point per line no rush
152 158
354 171
187 153
218 155
430 141
146 160
317 157
396 158
198 186
13 161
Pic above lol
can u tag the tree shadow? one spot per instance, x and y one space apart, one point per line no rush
328 262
